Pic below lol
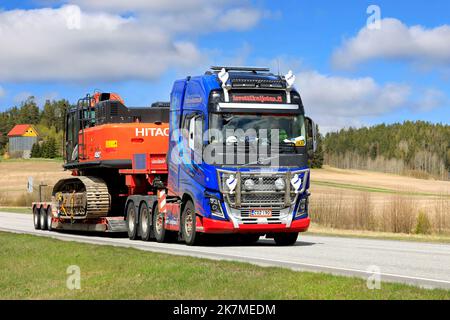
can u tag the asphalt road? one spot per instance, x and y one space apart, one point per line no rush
422 264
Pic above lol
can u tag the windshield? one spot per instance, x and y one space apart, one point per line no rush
290 128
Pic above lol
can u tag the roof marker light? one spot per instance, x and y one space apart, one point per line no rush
224 76
290 79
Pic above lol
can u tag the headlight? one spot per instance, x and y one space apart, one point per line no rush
216 209
302 207
249 185
280 184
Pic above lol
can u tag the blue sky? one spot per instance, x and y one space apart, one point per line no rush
348 74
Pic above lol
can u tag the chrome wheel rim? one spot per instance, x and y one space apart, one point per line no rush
188 224
42 219
131 220
144 221
36 218
49 219
159 223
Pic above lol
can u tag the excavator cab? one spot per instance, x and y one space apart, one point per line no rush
78 118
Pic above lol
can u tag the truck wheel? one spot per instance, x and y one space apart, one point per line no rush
286 239
43 218
36 218
131 221
161 234
144 222
49 218
188 225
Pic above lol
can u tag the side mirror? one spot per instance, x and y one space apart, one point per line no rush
311 136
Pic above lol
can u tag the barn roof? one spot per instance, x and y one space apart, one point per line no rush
19 130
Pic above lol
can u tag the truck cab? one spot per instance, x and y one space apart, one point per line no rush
239 145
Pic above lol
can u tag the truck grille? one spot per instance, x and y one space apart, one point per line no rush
272 200
264 193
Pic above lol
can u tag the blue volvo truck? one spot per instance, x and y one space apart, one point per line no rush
228 155
238 157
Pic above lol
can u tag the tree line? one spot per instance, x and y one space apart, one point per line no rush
49 122
415 148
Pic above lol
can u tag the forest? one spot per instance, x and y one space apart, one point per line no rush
49 122
418 148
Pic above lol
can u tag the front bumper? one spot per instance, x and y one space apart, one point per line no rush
212 226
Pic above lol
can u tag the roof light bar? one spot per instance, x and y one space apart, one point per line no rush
248 69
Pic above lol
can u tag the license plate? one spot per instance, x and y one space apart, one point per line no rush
260 213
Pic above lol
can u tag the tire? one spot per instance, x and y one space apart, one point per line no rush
286 239
248 239
43 218
145 222
36 218
188 225
161 234
49 218
132 223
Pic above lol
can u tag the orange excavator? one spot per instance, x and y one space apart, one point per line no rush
103 143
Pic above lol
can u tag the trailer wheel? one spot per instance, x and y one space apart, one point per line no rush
188 225
49 218
286 239
43 218
131 221
145 222
36 218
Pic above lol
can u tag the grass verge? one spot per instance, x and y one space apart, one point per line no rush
27 271
16 209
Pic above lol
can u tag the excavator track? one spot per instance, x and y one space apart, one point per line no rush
83 197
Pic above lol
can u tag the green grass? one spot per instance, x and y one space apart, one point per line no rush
35 268
376 189
16 209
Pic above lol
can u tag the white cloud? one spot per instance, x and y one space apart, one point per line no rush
145 5
2 92
337 102
72 43
194 16
430 99
396 41
239 18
